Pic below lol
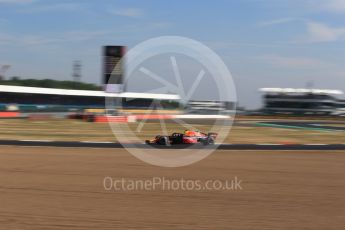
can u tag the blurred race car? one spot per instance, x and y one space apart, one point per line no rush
188 137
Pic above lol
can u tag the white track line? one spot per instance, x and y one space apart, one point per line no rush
269 144
97 142
316 144
37 140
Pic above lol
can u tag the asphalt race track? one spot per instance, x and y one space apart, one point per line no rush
296 147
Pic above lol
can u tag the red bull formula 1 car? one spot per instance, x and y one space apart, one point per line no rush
188 137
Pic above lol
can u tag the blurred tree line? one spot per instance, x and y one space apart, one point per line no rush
49 83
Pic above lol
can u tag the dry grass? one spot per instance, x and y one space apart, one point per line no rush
74 130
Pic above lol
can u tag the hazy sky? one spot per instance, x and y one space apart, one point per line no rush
264 43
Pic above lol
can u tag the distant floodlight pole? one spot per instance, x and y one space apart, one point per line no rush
3 70
76 71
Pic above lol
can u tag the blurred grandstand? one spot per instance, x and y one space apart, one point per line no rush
302 101
36 99
86 104
53 96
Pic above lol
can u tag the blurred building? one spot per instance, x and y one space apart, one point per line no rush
302 101
210 107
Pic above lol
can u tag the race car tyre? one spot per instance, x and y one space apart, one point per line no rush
209 141
163 140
